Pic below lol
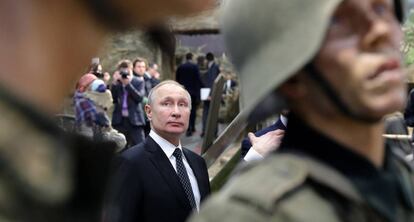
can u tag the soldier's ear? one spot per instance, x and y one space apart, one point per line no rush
293 88
148 111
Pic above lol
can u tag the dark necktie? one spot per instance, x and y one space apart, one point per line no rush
182 174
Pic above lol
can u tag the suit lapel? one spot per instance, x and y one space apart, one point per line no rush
197 173
163 164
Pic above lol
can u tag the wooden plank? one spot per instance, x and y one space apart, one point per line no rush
223 175
229 135
212 118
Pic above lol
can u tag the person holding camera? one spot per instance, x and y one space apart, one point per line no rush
96 69
127 93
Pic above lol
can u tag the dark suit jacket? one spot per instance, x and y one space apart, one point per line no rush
409 110
188 75
154 82
148 84
136 92
146 187
211 75
246 142
233 85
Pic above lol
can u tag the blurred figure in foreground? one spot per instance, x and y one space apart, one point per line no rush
47 175
338 65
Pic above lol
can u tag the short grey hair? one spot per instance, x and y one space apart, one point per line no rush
166 82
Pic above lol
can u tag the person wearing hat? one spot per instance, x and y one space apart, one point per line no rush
86 115
338 67
92 102
46 174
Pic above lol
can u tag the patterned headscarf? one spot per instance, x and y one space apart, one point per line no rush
84 82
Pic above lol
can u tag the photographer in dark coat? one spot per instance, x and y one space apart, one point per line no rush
128 116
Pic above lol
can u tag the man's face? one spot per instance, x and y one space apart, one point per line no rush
153 70
170 111
140 68
360 57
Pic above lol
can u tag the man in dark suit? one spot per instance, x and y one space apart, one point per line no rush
159 180
155 75
140 72
188 75
128 116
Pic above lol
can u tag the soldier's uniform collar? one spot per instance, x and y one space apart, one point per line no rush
45 171
383 189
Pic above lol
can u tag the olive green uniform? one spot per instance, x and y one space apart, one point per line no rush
46 175
312 178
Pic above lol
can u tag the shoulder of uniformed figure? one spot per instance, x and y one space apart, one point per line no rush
35 160
276 188
402 160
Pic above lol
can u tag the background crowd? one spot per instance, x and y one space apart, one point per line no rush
111 107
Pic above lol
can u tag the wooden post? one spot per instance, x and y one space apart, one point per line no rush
223 175
229 135
212 118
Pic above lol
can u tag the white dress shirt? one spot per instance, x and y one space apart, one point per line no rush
209 64
168 149
252 155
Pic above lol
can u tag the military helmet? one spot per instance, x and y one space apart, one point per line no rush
271 40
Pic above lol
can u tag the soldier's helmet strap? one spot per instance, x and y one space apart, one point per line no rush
106 13
333 96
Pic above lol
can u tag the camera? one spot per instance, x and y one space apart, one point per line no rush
124 74
98 73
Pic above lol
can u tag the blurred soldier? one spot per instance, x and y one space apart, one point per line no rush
338 65
47 175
